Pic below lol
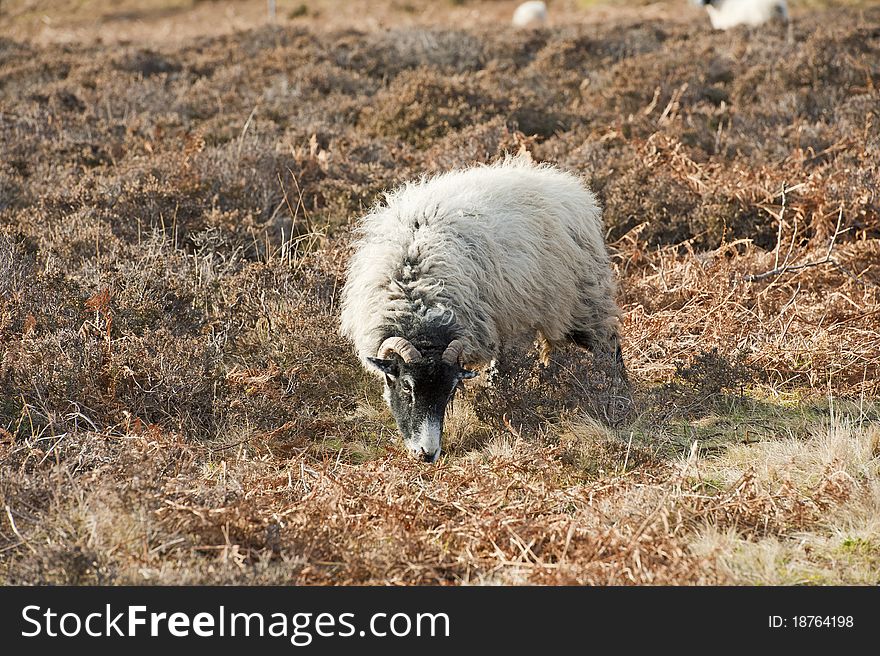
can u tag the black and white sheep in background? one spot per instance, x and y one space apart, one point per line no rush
725 14
530 14
452 267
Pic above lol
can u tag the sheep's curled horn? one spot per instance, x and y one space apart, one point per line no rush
453 351
402 347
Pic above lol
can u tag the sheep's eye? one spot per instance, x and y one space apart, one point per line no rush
405 387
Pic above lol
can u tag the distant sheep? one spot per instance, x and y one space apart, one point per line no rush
454 266
724 14
530 14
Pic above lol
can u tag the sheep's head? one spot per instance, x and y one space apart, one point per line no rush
418 389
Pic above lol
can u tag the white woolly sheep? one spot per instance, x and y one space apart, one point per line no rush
454 266
725 14
530 14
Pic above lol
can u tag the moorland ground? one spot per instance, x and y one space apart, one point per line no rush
179 182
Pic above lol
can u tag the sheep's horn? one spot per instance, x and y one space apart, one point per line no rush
402 347
453 351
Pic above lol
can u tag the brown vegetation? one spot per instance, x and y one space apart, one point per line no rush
175 404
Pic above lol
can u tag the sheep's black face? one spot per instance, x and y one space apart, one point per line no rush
418 394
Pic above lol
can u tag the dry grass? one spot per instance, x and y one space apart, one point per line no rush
175 405
832 477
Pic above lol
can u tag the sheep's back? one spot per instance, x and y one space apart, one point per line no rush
506 247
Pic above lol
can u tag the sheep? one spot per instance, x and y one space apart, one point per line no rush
724 14
452 267
530 14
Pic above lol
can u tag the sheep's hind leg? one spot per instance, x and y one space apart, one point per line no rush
605 347
604 344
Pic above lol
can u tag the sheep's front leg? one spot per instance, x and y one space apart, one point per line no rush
545 348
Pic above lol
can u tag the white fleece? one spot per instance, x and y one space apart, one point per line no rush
499 251
724 14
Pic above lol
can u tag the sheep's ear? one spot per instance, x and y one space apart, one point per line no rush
465 374
387 367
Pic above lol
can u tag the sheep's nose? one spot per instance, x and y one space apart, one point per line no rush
430 456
